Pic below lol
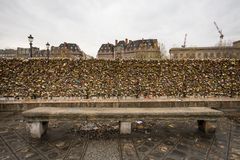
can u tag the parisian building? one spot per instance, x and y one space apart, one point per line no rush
218 52
8 53
144 49
64 50
25 52
67 50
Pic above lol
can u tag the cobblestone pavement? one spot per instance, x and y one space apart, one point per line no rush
167 140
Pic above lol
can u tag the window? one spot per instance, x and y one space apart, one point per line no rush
199 55
205 55
211 55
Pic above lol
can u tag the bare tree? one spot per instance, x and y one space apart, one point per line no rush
163 51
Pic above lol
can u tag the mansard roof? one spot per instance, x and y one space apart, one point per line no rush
108 47
142 43
70 46
121 44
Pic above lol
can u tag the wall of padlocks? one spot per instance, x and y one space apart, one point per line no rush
42 78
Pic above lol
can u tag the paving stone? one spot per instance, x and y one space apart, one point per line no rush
234 148
175 154
107 150
159 152
164 140
26 153
5 153
184 148
77 150
215 156
128 151
234 156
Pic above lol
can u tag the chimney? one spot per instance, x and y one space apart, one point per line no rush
126 41
116 42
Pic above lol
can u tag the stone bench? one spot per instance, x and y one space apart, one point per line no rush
37 118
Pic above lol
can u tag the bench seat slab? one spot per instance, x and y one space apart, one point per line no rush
38 118
121 114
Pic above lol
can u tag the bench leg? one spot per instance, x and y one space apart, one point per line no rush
37 129
207 126
125 127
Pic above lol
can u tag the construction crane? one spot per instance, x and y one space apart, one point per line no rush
185 39
220 32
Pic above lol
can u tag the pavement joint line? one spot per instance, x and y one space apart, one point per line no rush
36 150
69 149
141 143
175 144
10 149
157 145
119 148
52 145
135 149
131 141
229 139
210 147
85 148
151 150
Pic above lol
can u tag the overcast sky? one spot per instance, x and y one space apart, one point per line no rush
89 23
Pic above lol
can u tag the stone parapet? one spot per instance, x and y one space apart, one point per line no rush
229 104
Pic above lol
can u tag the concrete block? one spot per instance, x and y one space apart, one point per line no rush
125 127
207 126
37 129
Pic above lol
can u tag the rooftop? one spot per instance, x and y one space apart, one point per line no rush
130 45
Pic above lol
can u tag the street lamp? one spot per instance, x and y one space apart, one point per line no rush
47 45
30 38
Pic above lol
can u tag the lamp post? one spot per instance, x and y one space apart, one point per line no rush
30 38
47 45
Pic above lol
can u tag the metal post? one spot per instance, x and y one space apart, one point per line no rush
48 53
30 49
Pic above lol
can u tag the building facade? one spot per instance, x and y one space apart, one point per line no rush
8 53
64 50
67 50
144 49
230 52
25 52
